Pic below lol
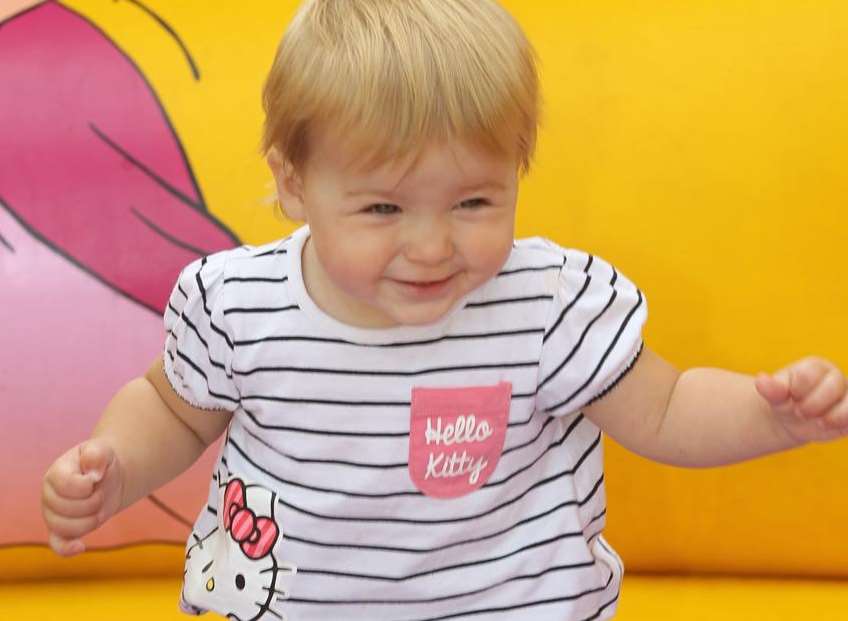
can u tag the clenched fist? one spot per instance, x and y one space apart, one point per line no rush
810 398
80 491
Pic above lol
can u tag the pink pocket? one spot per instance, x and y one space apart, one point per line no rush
456 436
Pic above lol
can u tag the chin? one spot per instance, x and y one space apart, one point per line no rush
420 317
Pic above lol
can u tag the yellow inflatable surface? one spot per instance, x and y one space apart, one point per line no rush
642 599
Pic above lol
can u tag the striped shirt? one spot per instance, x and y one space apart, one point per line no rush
353 485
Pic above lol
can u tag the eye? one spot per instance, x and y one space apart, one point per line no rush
473 203
383 209
239 582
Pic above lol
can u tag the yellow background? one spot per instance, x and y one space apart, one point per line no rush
699 145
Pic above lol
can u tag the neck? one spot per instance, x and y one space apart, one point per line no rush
8 8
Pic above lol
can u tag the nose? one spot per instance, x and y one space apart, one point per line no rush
428 242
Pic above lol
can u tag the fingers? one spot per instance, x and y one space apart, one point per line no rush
67 481
71 507
69 528
805 375
65 547
826 393
67 519
772 389
95 458
837 418
810 396
819 391
71 501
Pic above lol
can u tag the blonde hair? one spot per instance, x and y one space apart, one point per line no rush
391 76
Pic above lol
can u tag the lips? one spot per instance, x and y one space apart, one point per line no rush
425 283
426 288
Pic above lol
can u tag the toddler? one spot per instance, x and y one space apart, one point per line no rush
412 400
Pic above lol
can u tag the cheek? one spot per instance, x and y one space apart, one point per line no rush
486 251
353 262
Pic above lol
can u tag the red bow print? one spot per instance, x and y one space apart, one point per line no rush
256 535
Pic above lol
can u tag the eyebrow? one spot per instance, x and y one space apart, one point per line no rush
477 187
485 185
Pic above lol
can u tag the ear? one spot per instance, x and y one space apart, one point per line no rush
289 185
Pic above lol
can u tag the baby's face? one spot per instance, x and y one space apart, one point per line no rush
400 244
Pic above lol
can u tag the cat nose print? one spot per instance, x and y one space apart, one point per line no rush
210 584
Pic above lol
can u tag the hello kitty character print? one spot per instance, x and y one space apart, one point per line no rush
233 569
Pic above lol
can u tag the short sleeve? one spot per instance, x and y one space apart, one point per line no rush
593 334
198 350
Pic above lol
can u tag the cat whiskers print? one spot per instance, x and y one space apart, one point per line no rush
233 567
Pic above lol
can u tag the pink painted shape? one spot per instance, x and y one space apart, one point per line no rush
69 92
68 344
456 437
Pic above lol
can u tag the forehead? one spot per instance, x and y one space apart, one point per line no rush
440 162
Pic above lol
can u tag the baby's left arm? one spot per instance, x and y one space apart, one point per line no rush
709 417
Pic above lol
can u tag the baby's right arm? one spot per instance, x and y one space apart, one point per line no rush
146 436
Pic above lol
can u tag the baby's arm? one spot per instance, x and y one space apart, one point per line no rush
708 417
146 436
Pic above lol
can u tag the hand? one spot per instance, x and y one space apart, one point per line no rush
810 399
80 491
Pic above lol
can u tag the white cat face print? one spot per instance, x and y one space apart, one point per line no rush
233 569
